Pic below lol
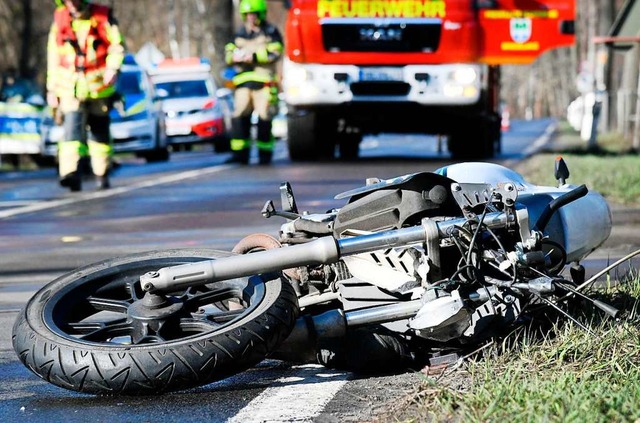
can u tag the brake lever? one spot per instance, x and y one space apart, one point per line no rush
270 210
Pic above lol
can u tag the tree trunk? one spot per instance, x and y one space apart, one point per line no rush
174 45
223 19
24 67
186 24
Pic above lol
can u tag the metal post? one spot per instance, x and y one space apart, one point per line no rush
592 140
636 125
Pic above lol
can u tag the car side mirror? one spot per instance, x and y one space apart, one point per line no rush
161 94
36 100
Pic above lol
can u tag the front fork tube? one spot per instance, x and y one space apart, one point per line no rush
324 250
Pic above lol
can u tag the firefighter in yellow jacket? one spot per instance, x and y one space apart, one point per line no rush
254 52
85 52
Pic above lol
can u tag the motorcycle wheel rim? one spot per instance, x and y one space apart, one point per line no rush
93 310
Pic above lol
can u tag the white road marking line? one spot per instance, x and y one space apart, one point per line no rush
30 278
301 398
534 147
46 205
541 141
16 203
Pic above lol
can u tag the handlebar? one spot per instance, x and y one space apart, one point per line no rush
554 205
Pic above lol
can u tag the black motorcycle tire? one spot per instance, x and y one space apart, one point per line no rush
106 368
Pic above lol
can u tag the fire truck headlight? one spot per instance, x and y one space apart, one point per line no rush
294 93
464 75
470 91
453 90
295 74
298 83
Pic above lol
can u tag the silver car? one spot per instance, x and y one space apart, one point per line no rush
193 112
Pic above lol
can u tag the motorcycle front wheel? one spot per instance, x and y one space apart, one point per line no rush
95 330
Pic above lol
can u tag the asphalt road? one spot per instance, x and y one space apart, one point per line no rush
193 200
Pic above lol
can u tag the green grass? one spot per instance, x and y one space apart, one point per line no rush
611 169
568 375
617 177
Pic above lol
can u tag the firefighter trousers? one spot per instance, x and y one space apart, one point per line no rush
246 101
86 132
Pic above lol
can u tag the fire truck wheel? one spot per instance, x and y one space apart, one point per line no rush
474 143
349 146
308 137
158 155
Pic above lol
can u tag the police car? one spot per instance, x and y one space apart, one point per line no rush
193 112
137 121
22 109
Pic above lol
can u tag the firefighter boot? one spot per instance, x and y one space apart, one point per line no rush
265 142
72 180
239 156
265 156
240 139
103 182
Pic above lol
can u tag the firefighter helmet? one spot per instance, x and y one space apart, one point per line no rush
254 6
60 3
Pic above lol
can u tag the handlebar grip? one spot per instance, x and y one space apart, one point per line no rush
610 310
555 204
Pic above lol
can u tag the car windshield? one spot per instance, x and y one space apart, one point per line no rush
129 83
182 89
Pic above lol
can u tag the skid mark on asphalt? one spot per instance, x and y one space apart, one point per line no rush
299 397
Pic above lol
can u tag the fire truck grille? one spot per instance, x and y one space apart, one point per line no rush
390 88
389 35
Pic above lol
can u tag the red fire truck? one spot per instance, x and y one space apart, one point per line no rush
356 67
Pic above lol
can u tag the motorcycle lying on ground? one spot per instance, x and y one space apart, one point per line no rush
424 265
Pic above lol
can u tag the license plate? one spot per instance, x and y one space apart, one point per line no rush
178 130
381 74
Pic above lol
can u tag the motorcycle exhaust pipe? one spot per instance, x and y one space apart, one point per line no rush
382 314
301 344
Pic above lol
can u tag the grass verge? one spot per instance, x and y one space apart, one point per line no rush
611 168
567 375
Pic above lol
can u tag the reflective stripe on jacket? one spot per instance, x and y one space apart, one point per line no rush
80 50
265 47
